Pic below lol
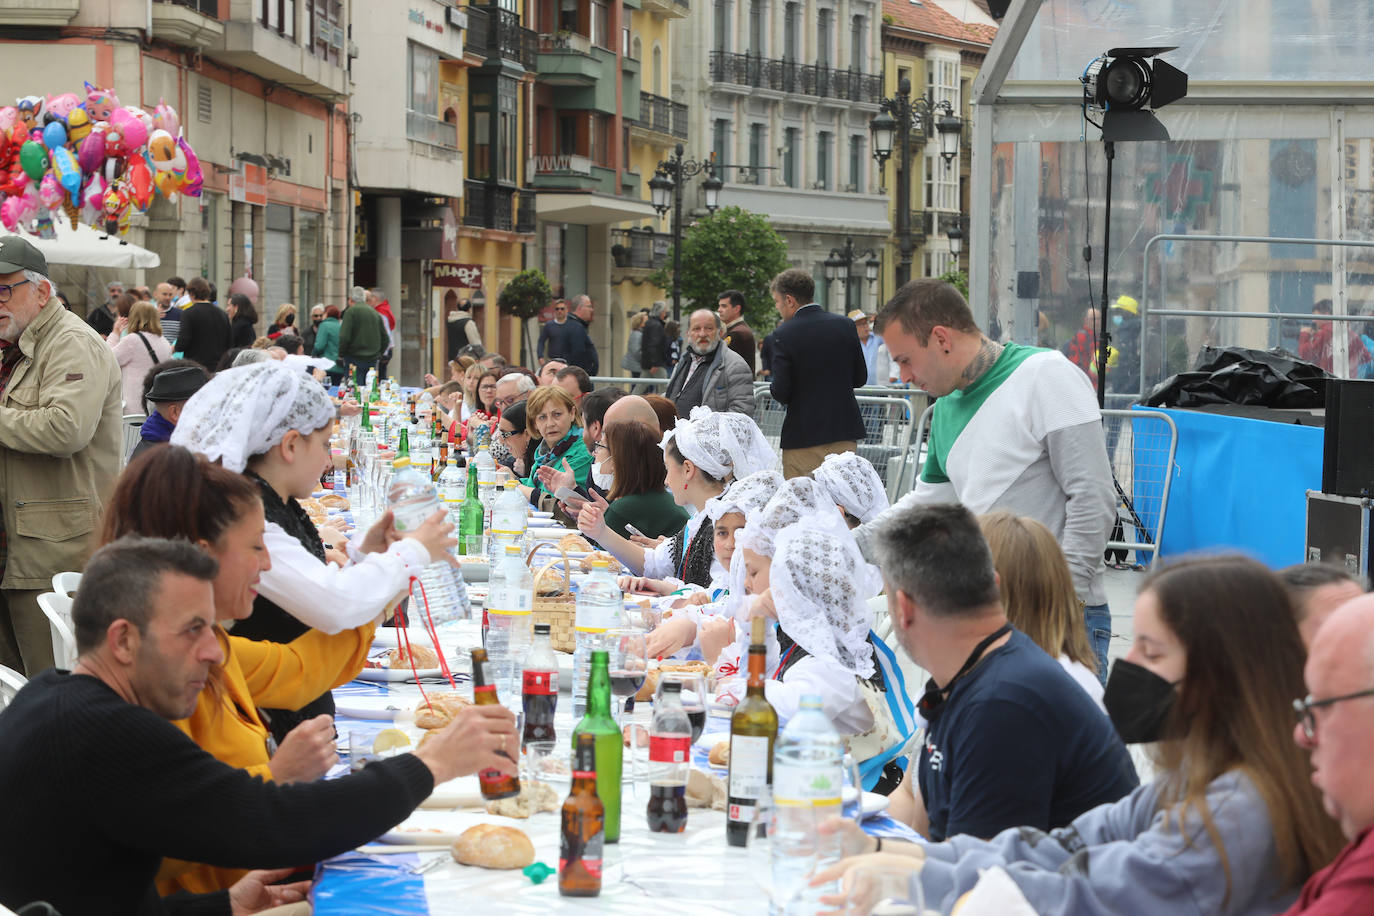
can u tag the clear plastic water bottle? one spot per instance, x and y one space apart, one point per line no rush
451 483
600 607
410 495
808 777
509 517
510 601
486 480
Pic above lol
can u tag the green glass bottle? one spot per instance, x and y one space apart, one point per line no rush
403 446
366 419
609 742
470 517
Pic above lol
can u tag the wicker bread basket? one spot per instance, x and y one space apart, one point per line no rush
554 602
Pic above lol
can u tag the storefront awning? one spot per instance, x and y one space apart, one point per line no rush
589 209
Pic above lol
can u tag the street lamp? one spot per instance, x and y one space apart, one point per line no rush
898 118
665 191
956 240
840 264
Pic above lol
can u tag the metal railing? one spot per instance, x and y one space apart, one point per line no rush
638 248
563 42
1141 445
494 206
508 39
204 7
789 76
427 128
663 115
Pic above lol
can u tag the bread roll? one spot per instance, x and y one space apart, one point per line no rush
533 798
492 846
574 543
440 709
424 657
611 562
334 501
720 754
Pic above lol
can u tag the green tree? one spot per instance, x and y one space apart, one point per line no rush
525 296
958 279
730 249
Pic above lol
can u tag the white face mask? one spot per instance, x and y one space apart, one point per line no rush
604 481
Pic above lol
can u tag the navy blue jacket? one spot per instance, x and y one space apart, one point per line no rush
581 350
817 362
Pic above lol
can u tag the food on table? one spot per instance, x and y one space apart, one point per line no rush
534 797
575 543
389 739
334 501
493 846
440 709
424 656
646 692
611 562
720 754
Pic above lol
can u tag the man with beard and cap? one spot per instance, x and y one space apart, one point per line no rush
711 374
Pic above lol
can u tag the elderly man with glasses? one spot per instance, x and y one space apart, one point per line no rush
60 404
1336 724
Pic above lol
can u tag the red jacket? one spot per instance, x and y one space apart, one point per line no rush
384 309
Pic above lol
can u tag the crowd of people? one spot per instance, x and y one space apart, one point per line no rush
214 616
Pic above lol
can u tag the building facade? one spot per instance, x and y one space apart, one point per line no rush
781 93
259 86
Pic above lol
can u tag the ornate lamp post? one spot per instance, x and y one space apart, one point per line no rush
665 191
898 118
840 264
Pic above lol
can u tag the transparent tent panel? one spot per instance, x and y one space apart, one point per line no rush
1201 189
1217 39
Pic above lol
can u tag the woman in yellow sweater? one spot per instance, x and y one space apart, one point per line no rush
169 492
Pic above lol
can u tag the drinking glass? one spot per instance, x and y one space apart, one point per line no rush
693 696
360 752
891 890
629 663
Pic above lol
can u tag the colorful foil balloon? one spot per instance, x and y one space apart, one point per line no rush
50 192
115 211
195 179
100 103
67 172
54 135
165 118
34 158
140 179
78 125
91 154
58 107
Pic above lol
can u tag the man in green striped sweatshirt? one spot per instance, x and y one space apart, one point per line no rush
1015 428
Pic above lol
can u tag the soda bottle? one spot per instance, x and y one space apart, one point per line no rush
753 729
510 600
470 521
539 688
670 757
609 742
495 784
600 607
584 824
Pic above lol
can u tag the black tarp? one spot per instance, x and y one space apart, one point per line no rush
1236 375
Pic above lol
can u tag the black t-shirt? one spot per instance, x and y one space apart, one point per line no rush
1019 744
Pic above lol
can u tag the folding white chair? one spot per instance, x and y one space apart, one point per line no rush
912 673
58 608
133 423
66 583
10 682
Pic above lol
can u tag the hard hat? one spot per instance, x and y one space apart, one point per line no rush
1127 304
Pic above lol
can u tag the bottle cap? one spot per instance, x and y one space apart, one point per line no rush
542 629
600 564
401 462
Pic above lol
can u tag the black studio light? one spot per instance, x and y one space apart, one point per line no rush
1125 84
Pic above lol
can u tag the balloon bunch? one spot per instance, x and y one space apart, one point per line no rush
93 159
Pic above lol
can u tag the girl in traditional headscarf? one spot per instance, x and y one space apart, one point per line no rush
273 424
800 566
853 485
702 455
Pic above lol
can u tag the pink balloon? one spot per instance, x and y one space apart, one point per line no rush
195 178
91 154
126 133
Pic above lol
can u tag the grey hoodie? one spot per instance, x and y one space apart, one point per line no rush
1123 859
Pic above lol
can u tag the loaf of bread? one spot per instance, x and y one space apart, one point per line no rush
533 798
720 754
574 543
425 657
493 846
440 709
334 501
646 692
611 562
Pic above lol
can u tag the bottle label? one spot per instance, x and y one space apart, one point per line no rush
540 683
584 774
511 602
803 786
593 866
670 748
748 766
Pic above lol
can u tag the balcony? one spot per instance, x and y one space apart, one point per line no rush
189 23
639 249
569 59
48 13
669 9
426 160
664 117
750 70
264 52
426 128
493 206
569 172
499 36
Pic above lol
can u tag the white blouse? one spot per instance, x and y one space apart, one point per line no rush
1085 679
658 561
841 698
330 599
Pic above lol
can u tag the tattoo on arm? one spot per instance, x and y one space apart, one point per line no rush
982 361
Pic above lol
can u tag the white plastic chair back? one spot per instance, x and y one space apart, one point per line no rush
133 422
10 682
912 673
66 583
58 609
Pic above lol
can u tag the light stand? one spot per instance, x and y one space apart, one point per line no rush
665 191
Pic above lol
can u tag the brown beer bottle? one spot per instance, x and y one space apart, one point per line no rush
495 784
584 822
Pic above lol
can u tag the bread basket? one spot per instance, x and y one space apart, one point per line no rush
554 602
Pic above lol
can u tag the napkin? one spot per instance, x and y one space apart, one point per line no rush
705 790
995 894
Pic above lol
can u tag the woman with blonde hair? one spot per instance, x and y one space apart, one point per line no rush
141 348
1038 595
285 320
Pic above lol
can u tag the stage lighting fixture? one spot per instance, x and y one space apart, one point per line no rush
1124 84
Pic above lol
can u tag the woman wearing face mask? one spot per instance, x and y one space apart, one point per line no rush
272 424
1232 824
701 456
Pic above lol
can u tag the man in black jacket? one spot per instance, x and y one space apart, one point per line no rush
654 355
204 335
817 362
581 349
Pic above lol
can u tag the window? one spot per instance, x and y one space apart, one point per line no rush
722 25
325 34
790 18
823 38
567 135
567 16
789 156
480 135
720 139
938 261
756 20
856 163
757 139
823 141
942 184
858 50
279 16
947 82
422 99
508 149
658 70
601 25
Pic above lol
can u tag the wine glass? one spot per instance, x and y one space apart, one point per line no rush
629 663
693 697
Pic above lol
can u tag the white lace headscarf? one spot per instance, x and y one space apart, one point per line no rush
852 482
724 445
244 411
817 581
745 496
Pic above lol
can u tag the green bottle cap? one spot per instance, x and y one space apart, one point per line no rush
537 872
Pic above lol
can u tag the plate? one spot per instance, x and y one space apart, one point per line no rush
382 709
872 803
441 827
395 675
463 792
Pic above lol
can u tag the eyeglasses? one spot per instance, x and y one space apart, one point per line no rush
1304 708
7 289
601 447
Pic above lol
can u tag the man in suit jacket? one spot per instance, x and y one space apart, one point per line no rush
581 348
710 373
817 363
730 308
654 356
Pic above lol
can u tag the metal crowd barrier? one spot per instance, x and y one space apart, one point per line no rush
1141 445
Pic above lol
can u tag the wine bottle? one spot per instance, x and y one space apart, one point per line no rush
753 729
